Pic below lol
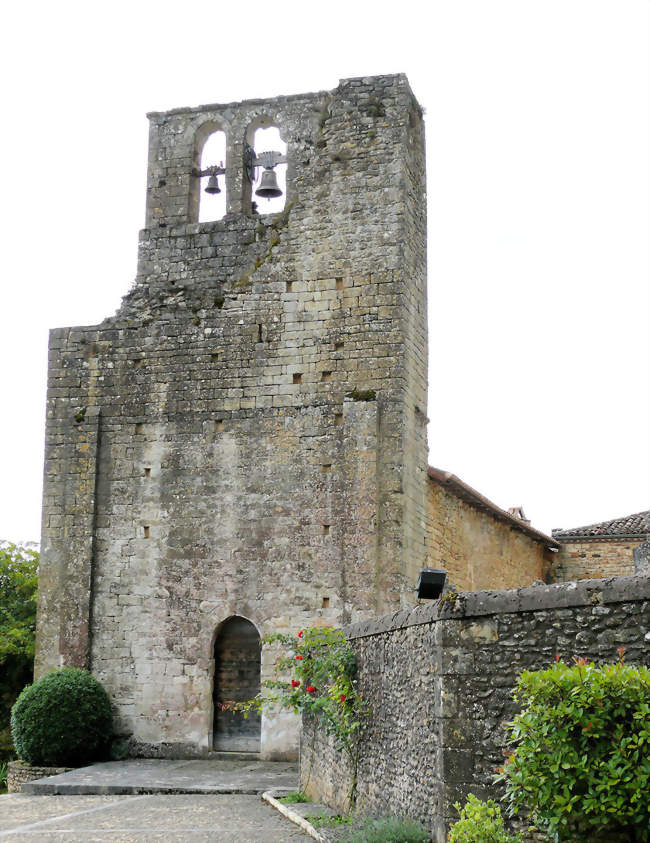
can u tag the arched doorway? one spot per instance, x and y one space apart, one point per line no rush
237 663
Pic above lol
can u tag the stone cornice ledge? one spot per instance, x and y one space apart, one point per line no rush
534 598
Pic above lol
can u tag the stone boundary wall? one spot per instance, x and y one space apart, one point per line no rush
19 773
439 679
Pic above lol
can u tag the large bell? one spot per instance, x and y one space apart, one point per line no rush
213 185
268 185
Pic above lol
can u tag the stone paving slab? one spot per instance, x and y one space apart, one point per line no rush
192 818
158 775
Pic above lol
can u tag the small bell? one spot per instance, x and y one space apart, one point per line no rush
268 185
213 185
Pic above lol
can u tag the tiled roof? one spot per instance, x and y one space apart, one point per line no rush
462 490
632 525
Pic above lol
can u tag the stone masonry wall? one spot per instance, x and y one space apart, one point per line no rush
19 773
477 550
438 679
246 436
582 559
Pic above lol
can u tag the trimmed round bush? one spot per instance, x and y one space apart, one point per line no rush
63 720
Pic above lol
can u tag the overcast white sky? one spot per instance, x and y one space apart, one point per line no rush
537 127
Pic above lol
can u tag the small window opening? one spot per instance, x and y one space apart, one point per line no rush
297 377
289 286
326 529
267 139
139 427
147 472
326 467
338 418
259 333
218 426
146 532
326 602
339 283
212 206
326 376
137 363
338 346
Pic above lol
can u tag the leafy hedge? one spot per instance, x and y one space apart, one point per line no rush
64 719
581 761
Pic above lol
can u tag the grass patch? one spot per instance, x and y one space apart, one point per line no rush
323 821
293 797
387 830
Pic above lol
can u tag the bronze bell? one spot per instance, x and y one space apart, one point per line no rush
213 185
268 185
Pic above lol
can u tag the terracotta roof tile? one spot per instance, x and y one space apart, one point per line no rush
632 525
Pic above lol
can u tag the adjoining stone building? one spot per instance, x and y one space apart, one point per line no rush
616 548
479 544
241 449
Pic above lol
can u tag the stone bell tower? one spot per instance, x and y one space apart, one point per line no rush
241 449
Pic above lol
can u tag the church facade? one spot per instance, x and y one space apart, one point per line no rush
242 448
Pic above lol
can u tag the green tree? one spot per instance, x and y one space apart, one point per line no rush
18 586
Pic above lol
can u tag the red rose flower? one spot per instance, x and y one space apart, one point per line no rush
295 683
300 634
310 689
342 697
299 658
557 658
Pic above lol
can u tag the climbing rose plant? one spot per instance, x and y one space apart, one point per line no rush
316 675
581 759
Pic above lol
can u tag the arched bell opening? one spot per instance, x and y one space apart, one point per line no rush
237 667
269 182
208 191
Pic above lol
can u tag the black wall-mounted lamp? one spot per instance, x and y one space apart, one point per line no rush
431 583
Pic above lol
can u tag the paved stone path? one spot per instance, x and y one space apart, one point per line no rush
227 818
157 775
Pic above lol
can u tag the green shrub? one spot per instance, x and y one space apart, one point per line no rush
387 830
581 761
64 719
480 822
